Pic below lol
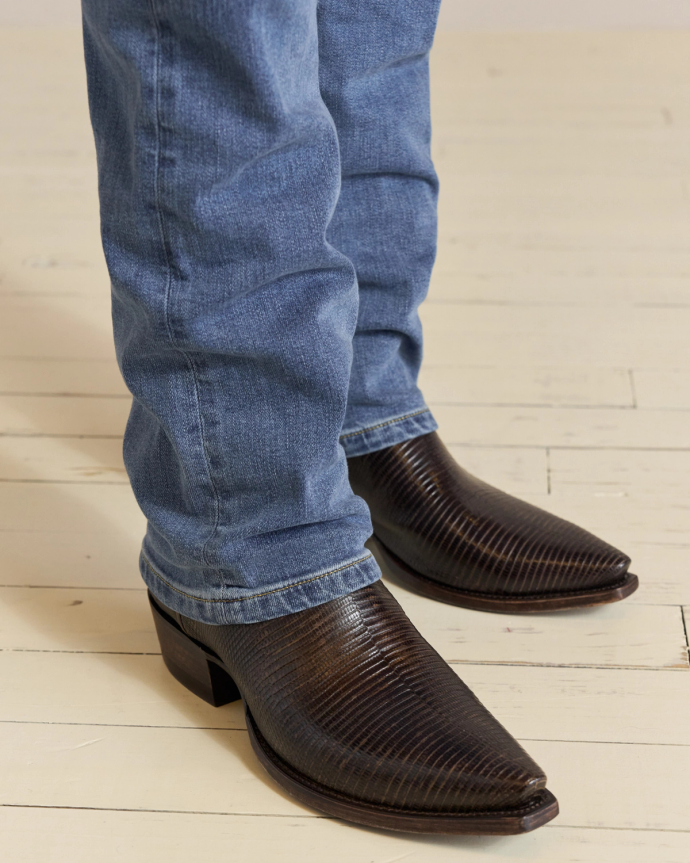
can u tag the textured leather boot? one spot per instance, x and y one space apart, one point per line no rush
450 536
354 714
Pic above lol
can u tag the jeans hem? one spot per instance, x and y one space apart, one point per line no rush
388 432
270 603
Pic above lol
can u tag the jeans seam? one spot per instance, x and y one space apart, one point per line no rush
169 277
157 575
387 423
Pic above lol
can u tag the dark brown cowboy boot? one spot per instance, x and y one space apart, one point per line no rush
452 537
353 713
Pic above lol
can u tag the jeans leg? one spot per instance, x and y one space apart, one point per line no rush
375 81
233 316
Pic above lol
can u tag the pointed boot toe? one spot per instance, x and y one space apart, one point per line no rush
354 714
450 536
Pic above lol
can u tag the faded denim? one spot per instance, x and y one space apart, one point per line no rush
268 215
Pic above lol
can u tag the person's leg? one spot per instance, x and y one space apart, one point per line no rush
234 320
375 81
443 531
218 175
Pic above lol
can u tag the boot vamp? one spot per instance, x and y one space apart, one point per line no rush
454 528
351 696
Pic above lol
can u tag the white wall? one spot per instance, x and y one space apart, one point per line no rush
464 14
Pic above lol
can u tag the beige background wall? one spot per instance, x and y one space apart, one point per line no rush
465 14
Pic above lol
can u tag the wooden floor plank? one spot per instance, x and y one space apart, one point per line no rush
472 272
663 571
552 269
563 261
108 559
618 635
45 459
534 703
620 473
603 79
663 388
54 258
72 459
214 771
501 202
76 620
186 770
68 194
639 519
537 335
517 471
562 427
104 689
80 508
63 415
90 534
148 837
509 112
520 385
56 326
625 635
60 377
585 704
593 782
541 156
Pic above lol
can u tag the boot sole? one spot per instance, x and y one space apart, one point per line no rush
502 603
204 673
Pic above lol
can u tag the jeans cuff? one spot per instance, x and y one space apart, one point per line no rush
388 432
270 602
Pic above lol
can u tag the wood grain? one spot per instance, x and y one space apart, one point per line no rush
625 635
620 473
519 385
618 635
533 335
144 767
46 459
562 427
557 361
66 327
60 377
533 702
141 837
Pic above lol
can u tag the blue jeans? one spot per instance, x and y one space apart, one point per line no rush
268 215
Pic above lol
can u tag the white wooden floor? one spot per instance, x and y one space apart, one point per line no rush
558 363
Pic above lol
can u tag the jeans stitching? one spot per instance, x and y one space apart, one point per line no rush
169 280
387 423
157 575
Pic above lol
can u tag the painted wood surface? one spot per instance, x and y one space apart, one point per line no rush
142 837
620 636
601 705
31 376
520 385
178 769
557 363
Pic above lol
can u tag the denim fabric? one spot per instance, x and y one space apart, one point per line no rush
268 219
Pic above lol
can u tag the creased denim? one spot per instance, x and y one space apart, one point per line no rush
268 220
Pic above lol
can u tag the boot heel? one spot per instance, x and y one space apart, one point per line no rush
191 665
